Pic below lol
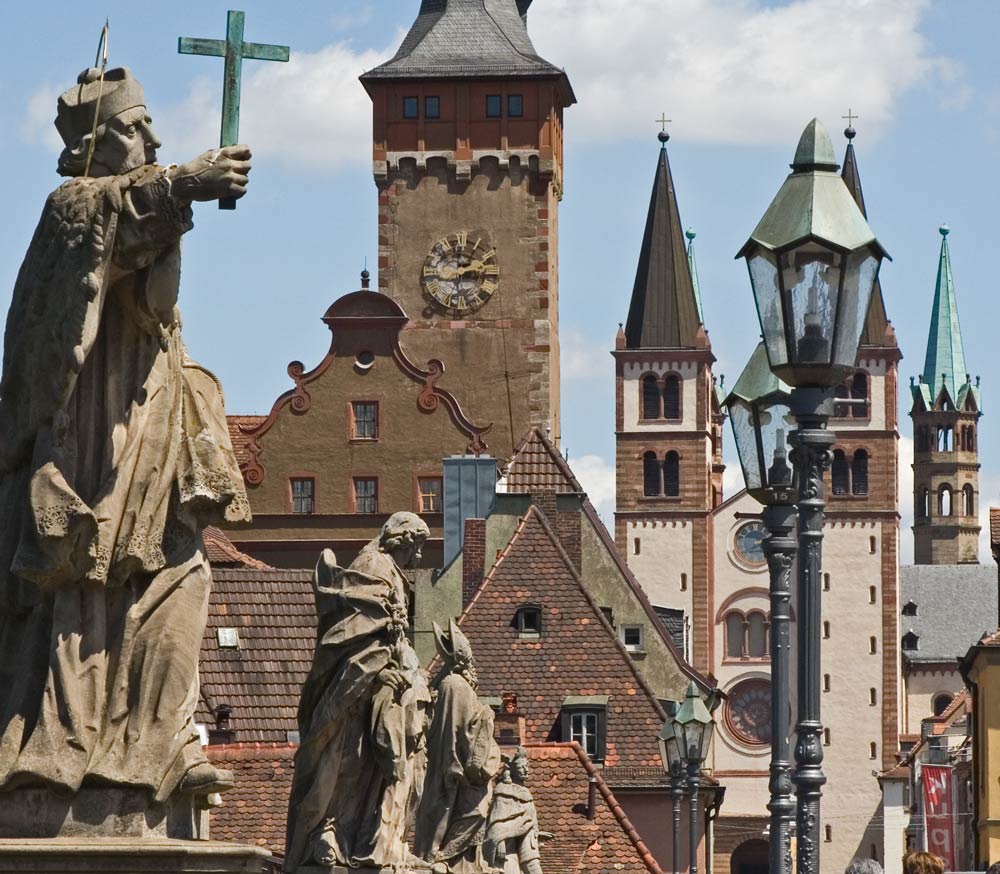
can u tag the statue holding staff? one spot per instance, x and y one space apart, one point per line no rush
114 455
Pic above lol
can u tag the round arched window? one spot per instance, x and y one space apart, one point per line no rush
748 712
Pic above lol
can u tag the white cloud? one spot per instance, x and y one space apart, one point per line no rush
597 477
734 70
310 113
36 126
583 360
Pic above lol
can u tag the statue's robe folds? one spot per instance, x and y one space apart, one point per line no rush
114 455
511 841
462 760
360 764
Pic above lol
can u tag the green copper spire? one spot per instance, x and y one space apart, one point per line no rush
945 361
694 273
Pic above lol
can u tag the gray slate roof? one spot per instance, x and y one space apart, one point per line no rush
956 606
466 39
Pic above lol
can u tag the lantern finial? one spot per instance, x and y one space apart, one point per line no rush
815 150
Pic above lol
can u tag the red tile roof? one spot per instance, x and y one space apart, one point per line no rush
238 436
995 526
222 552
537 466
608 844
256 809
274 614
577 654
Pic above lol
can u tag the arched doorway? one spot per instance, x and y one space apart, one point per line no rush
750 857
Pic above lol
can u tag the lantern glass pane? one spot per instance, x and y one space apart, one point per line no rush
776 423
811 279
741 418
767 295
859 280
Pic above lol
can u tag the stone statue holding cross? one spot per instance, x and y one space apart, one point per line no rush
114 455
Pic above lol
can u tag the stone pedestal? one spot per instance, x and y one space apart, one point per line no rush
101 812
128 856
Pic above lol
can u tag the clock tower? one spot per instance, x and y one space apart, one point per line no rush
467 158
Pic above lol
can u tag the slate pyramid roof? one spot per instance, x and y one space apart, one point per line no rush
467 39
945 359
664 312
877 322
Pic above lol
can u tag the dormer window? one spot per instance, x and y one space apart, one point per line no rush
910 608
911 643
528 620
584 719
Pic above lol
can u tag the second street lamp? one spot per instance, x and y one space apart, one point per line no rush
673 764
693 727
813 263
760 413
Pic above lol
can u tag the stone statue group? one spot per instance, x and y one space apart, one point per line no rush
382 753
114 456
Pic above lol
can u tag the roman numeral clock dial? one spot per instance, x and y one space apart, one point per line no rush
460 274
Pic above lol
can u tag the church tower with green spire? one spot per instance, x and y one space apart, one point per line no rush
945 412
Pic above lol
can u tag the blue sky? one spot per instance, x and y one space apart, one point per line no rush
740 78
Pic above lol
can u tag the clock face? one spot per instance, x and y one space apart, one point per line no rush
460 274
749 542
748 712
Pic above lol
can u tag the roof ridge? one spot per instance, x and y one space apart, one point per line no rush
503 33
616 810
633 583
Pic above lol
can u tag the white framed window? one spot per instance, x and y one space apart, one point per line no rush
583 729
633 637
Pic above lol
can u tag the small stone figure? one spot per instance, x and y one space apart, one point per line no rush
360 766
462 761
114 456
512 834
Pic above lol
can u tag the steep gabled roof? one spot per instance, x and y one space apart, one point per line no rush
578 652
664 311
466 39
273 612
944 364
608 844
255 810
877 323
222 552
537 467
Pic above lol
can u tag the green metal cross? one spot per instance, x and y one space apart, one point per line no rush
235 51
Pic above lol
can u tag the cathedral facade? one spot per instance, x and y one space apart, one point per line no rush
697 553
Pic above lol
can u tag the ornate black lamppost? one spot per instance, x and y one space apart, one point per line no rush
684 744
670 755
813 261
760 412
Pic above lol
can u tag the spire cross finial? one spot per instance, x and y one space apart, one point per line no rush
663 121
851 118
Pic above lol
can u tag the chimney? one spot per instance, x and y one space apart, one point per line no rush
509 722
221 733
592 798
470 492
473 558
570 534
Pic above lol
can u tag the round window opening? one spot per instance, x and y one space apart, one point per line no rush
365 360
748 712
749 544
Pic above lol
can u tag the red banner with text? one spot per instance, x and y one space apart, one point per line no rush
939 813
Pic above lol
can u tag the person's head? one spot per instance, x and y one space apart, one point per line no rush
124 139
864 866
456 652
922 863
403 536
519 766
